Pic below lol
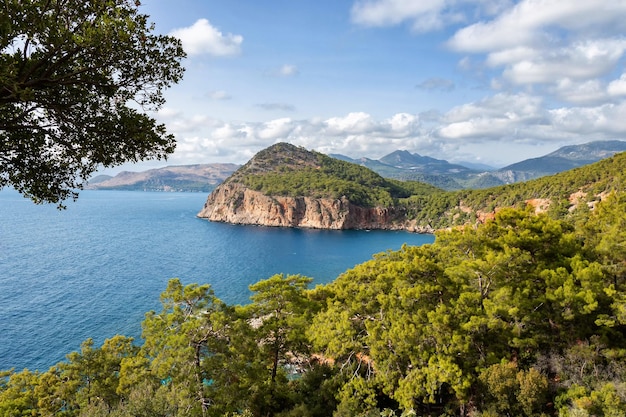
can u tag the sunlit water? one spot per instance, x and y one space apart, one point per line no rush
94 269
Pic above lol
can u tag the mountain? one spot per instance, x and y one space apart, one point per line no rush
289 186
406 166
201 177
99 178
563 159
416 162
477 166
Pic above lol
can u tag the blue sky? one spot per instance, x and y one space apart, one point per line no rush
490 81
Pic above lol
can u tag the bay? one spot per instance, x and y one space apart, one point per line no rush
94 269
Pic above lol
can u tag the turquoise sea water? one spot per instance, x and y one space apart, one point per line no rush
94 269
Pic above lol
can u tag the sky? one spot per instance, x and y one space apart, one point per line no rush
481 81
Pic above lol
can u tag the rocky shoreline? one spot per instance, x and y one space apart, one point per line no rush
234 203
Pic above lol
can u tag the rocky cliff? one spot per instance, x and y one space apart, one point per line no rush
233 202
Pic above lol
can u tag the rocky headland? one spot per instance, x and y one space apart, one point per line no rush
289 186
235 203
238 201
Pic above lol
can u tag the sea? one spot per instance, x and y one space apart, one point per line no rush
94 269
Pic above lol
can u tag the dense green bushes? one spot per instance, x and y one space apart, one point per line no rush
522 316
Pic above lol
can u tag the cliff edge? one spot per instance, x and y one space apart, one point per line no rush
288 186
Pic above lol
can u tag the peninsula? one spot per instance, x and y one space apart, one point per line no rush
288 186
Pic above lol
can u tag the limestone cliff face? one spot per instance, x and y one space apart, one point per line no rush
232 202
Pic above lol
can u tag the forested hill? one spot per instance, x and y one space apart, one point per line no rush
288 170
558 194
522 316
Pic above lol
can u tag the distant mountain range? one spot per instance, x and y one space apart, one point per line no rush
399 164
404 165
200 177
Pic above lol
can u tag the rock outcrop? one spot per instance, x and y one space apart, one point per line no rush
232 202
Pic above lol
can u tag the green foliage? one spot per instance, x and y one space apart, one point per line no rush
522 316
72 75
286 170
320 176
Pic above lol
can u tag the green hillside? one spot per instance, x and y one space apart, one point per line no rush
522 316
287 170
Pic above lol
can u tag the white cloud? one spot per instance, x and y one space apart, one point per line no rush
607 120
392 12
423 15
203 38
618 87
276 129
403 124
588 92
562 48
580 61
503 128
510 106
357 122
527 23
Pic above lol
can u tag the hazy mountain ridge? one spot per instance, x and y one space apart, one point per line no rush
198 177
404 165
400 164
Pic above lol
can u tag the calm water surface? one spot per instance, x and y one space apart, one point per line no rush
94 269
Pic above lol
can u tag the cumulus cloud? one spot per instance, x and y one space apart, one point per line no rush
422 15
606 119
276 129
353 123
528 22
618 87
579 61
588 92
566 47
203 38
502 121
494 118
425 14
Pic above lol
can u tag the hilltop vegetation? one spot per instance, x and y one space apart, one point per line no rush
521 316
287 170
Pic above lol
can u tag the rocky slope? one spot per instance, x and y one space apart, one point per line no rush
235 202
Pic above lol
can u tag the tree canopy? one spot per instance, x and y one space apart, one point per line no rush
77 79
522 316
